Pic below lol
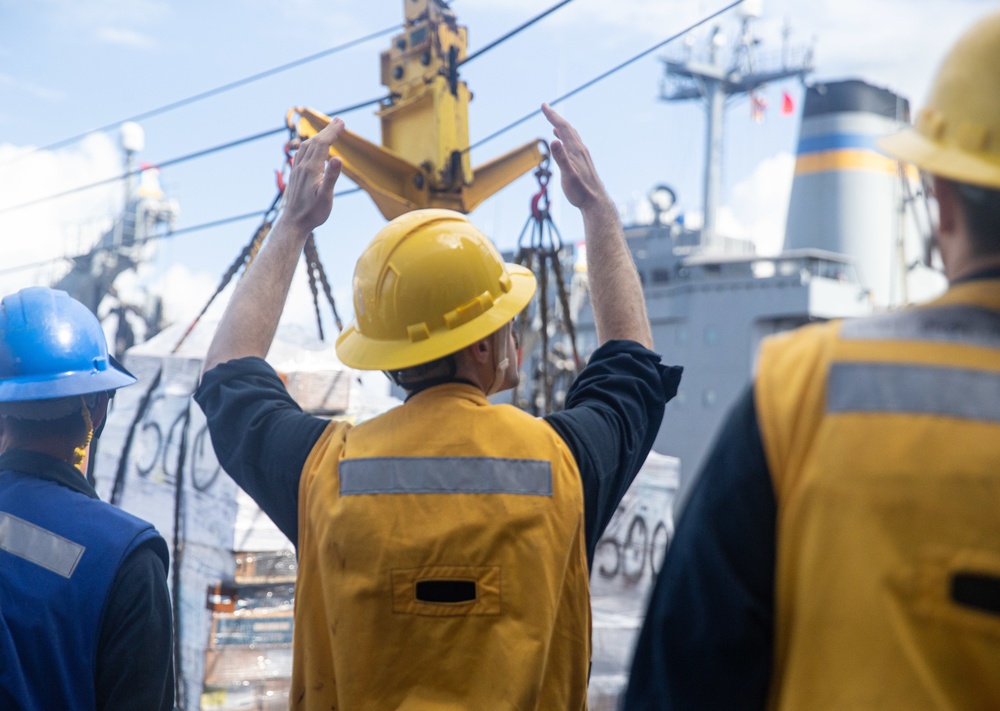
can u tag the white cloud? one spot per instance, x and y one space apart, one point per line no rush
653 18
185 293
895 43
125 37
35 90
44 93
108 12
45 234
759 205
53 228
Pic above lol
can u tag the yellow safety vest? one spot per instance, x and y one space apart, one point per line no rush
442 563
882 436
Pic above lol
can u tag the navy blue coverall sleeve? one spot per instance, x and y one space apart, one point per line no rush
613 413
261 437
707 641
135 655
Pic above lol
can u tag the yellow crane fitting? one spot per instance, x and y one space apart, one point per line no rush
424 157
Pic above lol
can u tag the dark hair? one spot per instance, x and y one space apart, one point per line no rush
422 376
981 208
72 428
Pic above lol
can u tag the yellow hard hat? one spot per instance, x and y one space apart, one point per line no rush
428 285
957 134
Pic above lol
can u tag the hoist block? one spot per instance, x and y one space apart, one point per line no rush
397 186
424 157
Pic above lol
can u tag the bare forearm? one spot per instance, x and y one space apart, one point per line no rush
251 318
248 326
615 290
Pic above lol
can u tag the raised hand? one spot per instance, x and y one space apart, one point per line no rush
310 186
615 288
580 182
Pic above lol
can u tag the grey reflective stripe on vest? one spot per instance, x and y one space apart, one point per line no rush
445 475
968 325
38 545
914 389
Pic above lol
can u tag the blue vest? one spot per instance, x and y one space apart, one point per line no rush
59 553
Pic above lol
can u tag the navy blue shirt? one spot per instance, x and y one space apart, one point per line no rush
613 413
708 637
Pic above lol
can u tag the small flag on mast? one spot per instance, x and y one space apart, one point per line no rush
758 104
787 104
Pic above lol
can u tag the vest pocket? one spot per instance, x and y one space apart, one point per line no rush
977 591
446 590
960 587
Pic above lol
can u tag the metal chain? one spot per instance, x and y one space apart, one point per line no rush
312 266
540 237
245 257
321 273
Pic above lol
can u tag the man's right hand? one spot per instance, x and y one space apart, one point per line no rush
615 288
251 319
580 181
310 186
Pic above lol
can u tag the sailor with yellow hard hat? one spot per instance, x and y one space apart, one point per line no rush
444 546
842 547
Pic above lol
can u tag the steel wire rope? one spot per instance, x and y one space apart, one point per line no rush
154 238
178 554
243 259
525 25
605 75
118 487
182 159
208 93
140 241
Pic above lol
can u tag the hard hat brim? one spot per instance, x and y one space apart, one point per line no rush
63 385
358 351
941 159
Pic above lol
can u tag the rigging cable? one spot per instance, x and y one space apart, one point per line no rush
490 137
178 553
606 74
546 243
231 144
316 272
209 93
523 26
118 488
245 257
181 159
153 238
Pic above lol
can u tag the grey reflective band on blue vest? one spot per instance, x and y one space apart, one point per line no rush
914 389
965 325
445 475
38 545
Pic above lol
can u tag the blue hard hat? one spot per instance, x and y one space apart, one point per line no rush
52 346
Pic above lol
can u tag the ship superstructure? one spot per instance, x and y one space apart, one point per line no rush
125 246
711 307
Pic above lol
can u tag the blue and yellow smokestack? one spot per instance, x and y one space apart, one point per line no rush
846 193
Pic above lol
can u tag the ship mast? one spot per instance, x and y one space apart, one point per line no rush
714 83
125 245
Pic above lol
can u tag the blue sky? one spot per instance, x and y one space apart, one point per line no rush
67 66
